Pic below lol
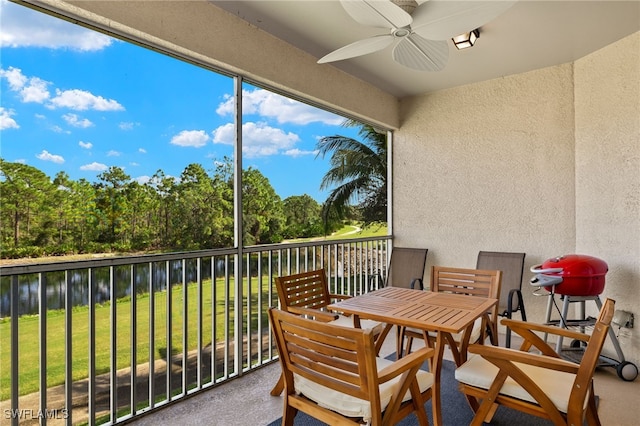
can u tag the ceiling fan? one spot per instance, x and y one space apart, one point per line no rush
419 28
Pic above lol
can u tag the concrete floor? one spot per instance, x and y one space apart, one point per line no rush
246 400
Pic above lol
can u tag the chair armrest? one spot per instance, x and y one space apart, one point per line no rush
517 326
510 309
315 313
405 363
512 355
527 331
419 281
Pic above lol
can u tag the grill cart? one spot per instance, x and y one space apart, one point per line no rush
578 278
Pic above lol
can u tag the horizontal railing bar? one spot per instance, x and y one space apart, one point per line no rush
280 246
108 261
7 270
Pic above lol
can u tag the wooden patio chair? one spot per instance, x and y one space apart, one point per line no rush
540 383
307 293
512 267
473 282
332 374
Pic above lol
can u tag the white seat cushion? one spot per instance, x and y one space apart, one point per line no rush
557 385
344 321
350 406
475 332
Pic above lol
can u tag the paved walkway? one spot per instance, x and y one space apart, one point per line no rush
28 405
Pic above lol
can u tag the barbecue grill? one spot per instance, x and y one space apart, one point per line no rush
571 275
577 278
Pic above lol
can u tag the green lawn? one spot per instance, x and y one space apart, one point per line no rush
354 231
349 231
28 326
29 331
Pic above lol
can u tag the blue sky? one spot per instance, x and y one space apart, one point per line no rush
77 101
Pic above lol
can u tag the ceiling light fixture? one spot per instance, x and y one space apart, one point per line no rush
466 40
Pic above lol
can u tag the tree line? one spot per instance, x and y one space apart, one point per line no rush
43 216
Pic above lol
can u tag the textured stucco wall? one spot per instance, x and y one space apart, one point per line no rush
488 166
607 105
544 162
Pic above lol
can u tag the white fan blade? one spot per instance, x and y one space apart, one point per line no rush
377 13
423 55
359 48
441 20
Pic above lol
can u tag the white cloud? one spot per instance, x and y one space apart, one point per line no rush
142 150
47 156
142 179
226 107
127 126
280 108
94 167
58 129
113 153
193 138
23 27
258 139
6 122
295 152
81 100
30 89
225 134
75 121
14 77
86 145
35 91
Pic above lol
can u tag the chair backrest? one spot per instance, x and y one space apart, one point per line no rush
303 290
406 267
340 358
473 282
512 267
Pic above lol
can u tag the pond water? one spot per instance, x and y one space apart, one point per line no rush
56 287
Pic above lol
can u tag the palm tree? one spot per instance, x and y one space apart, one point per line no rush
359 169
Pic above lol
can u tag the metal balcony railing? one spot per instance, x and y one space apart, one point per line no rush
103 341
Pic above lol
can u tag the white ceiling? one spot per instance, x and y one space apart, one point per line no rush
530 35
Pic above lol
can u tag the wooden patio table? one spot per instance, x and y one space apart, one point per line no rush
439 312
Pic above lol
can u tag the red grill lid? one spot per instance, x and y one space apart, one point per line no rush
577 265
572 274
